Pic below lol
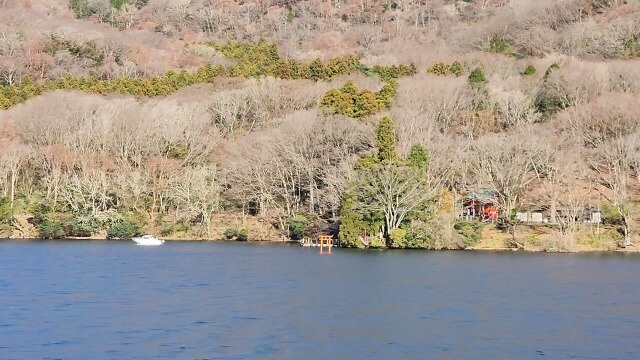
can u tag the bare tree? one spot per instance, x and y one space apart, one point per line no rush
88 192
564 183
198 191
10 71
314 145
13 157
160 173
231 112
507 164
616 163
515 108
131 186
248 176
292 169
368 35
394 190
607 118
57 162
430 100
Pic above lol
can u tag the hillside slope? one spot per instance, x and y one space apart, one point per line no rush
130 116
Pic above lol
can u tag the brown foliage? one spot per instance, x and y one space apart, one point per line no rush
265 139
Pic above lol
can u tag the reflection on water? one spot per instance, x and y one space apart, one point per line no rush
114 300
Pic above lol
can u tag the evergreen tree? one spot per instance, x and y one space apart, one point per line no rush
351 224
387 93
418 157
386 140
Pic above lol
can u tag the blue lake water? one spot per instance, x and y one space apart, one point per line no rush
198 300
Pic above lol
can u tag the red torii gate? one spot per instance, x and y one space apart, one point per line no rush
325 238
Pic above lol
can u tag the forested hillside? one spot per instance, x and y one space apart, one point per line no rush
376 121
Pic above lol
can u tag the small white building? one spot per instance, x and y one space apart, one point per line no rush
534 216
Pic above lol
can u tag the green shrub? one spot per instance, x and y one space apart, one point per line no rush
418 156
477 78
117 4
551 98
6 214
441 68
81 8
376 242
84 226
229 233
297 228
471 231
438 68
52 224
85 51
387 93
424 235
123 226
632 46
398 238
51 229
498 45
139 218
239 235
56 225
549 104
250 60
123 230
530 70
290 16
172 228
355 103
456 68
390 72
243 235
262 59
358 226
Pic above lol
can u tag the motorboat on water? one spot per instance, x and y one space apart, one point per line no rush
147 240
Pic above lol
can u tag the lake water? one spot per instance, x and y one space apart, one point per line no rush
195 300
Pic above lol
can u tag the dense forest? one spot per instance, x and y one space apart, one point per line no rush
379 122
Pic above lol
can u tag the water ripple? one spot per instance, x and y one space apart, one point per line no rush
111 300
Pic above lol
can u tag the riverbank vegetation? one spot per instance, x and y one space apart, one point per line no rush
452 124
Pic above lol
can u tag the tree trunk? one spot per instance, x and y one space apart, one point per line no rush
13 186
311 197
207 220
514 240
627 231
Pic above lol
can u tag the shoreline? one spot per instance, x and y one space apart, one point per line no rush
631 249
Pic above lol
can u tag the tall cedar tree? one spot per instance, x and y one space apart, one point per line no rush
386 140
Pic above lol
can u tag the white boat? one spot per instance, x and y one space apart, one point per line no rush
147 240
